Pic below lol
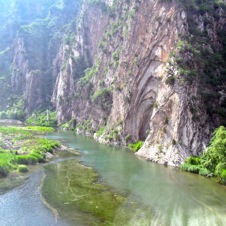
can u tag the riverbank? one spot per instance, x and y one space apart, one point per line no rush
21 147
211 163
68 188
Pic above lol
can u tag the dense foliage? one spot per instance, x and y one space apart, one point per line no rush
213 160
136 146
46 118
14 110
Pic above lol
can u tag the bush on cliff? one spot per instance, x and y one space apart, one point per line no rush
136 146
213 161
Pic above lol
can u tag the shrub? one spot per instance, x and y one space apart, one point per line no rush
100 131
90 73
102 93
216 152
155 104
38 156
204 172
46 118
116 54
191 168
213 161
170 80
223 174
192 160
70 125
6 164
26 159
136 146
45 145
22 168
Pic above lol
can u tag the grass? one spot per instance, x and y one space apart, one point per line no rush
6 163
25 147
39 128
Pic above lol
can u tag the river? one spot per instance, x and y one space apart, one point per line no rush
163 195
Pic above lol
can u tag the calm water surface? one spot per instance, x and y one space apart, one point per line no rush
166 196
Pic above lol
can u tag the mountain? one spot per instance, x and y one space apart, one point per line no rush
125 72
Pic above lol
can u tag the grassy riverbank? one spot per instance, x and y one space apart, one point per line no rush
20 146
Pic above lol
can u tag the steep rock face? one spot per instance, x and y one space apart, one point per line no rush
31 33
72 96
134 89
27 80
182 113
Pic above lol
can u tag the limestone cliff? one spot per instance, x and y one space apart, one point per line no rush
132 70
31 33
136 88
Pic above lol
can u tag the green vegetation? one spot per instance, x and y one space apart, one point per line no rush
85 126
79 190
213 161
6 163
46 118
70 125
14 110
200 6
101 94
170 80
132 13
34 27
207 67
90 73
26 159
136 146
116 54
39 128
20 147
100 131
22 168
155 104
69 38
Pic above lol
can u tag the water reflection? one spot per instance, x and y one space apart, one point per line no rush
170 197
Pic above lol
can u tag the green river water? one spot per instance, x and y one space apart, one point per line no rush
111 187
